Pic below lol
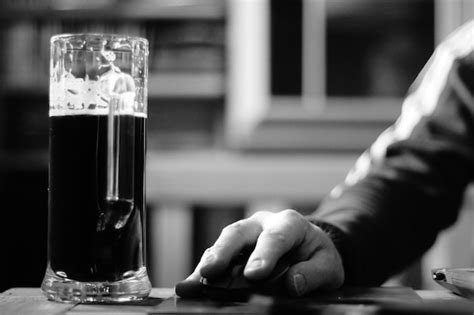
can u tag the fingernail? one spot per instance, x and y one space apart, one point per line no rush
254 264
299 282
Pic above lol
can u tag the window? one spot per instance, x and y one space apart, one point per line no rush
348 48
337 70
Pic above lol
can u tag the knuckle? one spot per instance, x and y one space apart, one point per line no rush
260 215
237 228
293 220
211 251
278 237
213 254
291 215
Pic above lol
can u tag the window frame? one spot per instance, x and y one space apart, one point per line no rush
249 100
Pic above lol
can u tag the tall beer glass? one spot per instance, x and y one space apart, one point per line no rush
98 112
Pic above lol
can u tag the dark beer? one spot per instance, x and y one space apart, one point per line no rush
92 238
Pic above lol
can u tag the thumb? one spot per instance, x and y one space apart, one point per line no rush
322 271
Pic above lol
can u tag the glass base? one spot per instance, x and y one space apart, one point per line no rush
135 288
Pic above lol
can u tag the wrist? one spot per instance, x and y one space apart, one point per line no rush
341 243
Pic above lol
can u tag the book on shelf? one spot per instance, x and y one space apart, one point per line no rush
115 9
182 58
190 65
186 31
186 66
186 45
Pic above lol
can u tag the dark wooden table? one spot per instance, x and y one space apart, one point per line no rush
164 301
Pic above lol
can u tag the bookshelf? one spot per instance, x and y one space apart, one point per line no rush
186 62
113 9
187 84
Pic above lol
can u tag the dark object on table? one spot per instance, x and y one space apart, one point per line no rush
232 285
457 280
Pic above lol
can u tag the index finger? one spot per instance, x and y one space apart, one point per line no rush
191 286
233 239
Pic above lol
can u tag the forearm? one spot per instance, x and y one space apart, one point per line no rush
376 237
409 184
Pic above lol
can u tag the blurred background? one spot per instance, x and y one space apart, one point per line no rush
253 105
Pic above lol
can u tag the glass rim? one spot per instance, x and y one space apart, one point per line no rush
109 36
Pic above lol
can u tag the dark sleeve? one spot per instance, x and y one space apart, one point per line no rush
409 184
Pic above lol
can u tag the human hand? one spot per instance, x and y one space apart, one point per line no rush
316 263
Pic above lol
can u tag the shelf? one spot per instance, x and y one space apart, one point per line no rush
187 85
199 85
111 9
